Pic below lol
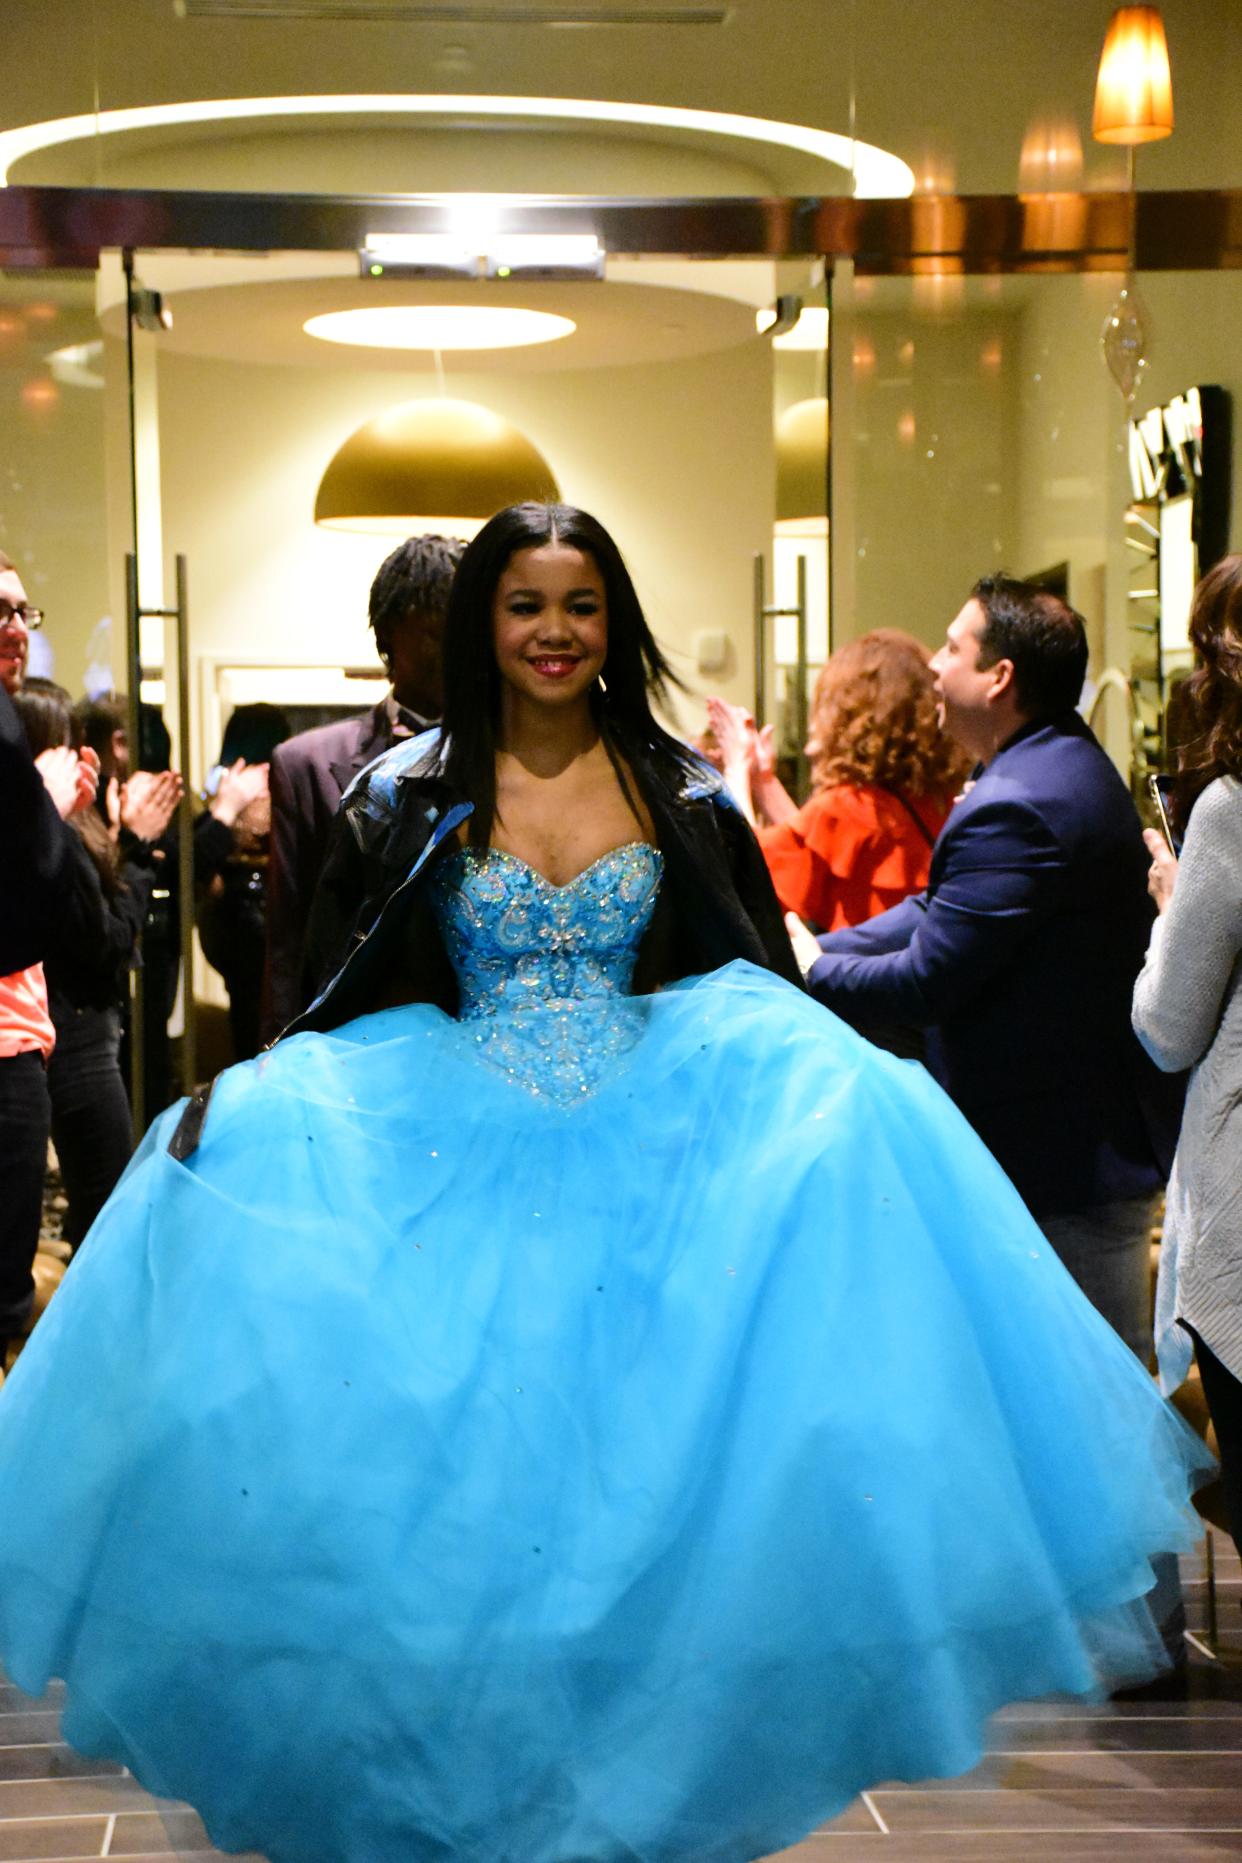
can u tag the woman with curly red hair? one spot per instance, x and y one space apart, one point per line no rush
884 777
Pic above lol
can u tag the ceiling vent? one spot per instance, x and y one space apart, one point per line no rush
455 12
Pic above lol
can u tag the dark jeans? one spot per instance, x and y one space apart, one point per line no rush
91 1123
1224 1401
1107 1249
25 1116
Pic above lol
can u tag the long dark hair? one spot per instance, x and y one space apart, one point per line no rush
48 719
1213 693
635 670
46 712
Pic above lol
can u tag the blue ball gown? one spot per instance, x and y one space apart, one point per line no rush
597 1429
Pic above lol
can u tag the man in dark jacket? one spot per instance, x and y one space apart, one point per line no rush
310 772
36 878
1020 957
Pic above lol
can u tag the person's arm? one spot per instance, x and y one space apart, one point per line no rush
35 871
772 799
1196 941
1003 877
733 728
93 941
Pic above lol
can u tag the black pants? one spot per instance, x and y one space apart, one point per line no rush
1224 1401
90 1111
25 1116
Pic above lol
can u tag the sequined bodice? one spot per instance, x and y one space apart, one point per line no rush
545 971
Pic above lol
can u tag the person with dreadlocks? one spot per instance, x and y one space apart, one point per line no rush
310 772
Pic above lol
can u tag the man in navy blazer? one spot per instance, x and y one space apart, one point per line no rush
1020 958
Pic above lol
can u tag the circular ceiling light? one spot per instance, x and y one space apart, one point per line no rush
442 465
877 174
809 333
439 326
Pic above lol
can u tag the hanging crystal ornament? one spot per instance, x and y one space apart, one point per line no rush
1126 338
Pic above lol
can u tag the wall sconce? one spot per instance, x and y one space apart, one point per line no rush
441 465
1134 88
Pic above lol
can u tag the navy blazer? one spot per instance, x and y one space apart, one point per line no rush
1020 960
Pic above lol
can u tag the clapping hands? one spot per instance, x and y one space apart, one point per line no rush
145 804
70 777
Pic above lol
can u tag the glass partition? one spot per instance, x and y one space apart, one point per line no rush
682 401
976 427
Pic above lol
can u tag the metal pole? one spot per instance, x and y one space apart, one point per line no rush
800 677
137 979
760 609
185 843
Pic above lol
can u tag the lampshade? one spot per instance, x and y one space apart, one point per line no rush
1134 88
439 465
802 468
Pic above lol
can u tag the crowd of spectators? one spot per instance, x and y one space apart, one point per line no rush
966 880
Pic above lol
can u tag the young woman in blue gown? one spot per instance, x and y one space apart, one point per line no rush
571 1400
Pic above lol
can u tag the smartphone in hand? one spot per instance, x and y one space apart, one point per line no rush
1155 791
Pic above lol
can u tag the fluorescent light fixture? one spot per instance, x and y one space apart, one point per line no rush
439 326
809 333
877 173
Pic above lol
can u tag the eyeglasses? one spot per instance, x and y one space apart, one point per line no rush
31 618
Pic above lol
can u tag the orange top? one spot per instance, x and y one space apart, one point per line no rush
25 1024
851 852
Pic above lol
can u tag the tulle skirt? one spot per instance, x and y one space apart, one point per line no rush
433 1469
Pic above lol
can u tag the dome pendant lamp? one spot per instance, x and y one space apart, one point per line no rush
436 465
802 469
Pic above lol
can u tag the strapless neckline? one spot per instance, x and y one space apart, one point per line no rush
541 879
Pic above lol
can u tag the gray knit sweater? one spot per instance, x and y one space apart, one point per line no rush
1188 1013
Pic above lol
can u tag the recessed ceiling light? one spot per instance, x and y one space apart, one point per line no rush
877 173
439 326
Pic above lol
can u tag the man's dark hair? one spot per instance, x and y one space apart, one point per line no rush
1043 636
415 579
252 733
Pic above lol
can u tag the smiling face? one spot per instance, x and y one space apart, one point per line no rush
550 626
14 635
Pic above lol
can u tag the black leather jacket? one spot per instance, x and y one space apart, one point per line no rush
716 901
373 941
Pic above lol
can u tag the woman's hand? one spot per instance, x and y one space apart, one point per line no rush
804 942
1162 874
148 801
239 786
70 777
734 731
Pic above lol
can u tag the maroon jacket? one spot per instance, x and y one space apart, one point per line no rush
309 775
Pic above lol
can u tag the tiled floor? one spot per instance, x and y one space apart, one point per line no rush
1146 1782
